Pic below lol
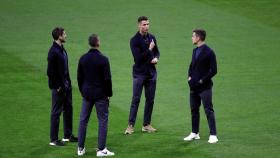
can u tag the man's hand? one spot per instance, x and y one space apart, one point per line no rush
154 61
152 45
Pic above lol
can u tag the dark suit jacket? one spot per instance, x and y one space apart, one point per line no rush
94 76
57 67
143 56
203 68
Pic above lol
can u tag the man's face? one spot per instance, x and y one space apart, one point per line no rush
195 38
144 26
62 38
98 42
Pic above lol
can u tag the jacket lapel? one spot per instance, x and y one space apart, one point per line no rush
142 41
200 56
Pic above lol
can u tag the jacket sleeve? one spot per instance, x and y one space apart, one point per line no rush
213 67
139 56
80 77
156 50
190 66
190 70
108 80
51 70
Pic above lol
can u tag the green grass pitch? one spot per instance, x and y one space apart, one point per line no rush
244 34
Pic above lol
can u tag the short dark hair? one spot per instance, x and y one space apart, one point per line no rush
93 40
57 31
142 18
200 33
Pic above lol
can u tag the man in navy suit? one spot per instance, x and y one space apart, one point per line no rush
60 85
201 70
146 55
95 85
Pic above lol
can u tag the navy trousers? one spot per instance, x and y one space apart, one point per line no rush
195 102
150 88
102 115
61 102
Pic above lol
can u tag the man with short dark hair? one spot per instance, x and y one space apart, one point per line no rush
146 55
60 85
95 85
201 70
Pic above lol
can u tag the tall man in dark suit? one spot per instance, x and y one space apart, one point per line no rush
146 55
202 68
95 85
60 85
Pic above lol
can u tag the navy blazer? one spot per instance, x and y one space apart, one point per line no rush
94 76
57 66
203 68
143 56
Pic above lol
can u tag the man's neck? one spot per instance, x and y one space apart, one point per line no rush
95 48
199 44
143 33
58 42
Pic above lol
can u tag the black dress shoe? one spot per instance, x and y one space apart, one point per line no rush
72 138
57 143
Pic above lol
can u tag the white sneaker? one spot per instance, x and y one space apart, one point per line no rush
129 129
212 139
149 129
81 151
65 140
104 152
192 136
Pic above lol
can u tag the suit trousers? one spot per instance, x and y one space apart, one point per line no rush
150 88
102 111
195 102
61 102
